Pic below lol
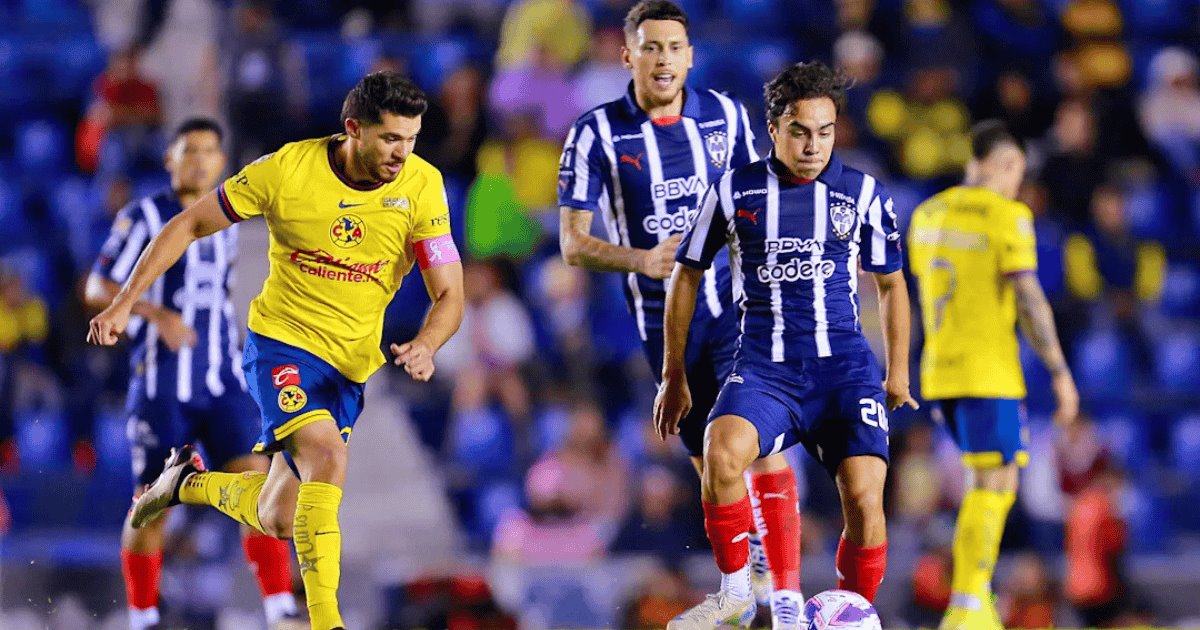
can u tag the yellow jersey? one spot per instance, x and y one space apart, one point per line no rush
962 244
338 250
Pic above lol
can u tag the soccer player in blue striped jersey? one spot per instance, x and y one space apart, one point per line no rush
643 162
798 225
186 358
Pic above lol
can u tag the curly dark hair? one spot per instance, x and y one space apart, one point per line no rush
384 92
653 10
991 134
804 81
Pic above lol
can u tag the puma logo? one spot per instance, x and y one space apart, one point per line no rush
746 214
775 495
740 537
635 161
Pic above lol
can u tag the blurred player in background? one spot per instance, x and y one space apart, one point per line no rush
186 359
643 162
348 216
973 253
797 225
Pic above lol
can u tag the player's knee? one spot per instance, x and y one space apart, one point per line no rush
863 499
323 462
277 524
723 465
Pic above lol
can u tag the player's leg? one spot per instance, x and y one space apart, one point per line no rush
862 550
269 557
153 425
773 489
989 432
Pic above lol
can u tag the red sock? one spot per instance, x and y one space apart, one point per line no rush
727 527
861 569
141 578
270 561
776 494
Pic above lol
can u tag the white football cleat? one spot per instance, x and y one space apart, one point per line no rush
717 611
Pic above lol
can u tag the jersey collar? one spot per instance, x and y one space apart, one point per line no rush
332 146
829 176
691 103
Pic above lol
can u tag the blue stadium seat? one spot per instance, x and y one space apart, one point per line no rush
323 59
1126 436
1039 394
1102 365
41 148
1155 17
57 15
112 447
1148 211
756 16
551 427
482 443
430 62
1177 361
1181 291
357 59
1185 446
42 439
491 502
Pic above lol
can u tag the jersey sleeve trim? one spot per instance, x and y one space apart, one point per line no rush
226 206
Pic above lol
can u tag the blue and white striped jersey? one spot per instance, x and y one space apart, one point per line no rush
646 179
795 247
197 287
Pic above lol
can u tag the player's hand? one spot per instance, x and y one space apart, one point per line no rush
106 328
1068 399
672 403
173 331
898 395
417 358
658 263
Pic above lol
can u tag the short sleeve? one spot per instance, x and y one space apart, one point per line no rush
430 237
249 193
708 232
880 237
126 239
1015 240
581 169
743 150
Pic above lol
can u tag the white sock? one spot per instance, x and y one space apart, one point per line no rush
737 584
795 596
278 606
142 618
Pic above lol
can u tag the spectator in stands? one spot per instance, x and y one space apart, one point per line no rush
266 95
24 325
559 29
537 85
1095 545
931 579
917 489
1080 456
1028 597
181 56
662 594
596 470
1107 264
127 113
455 126
602 77
1014 99
554 531
661 525
926 126
1169 111
1074 169
561 298
860 55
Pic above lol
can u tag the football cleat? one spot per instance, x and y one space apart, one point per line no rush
716 611
164 492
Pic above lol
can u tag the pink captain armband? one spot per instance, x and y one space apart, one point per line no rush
439 250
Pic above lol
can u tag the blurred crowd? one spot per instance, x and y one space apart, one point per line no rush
540 409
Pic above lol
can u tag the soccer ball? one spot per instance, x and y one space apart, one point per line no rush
840 609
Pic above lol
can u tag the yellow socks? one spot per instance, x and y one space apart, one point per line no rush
977 542
318 540
235 494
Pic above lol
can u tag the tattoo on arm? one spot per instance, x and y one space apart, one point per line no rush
1037 322
581 249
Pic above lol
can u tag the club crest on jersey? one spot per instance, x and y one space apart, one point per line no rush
348 231
292 399
396 202
285 375
841 216
717 145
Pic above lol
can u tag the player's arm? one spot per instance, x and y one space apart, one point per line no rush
100 291
201 219
444 283
1037 323
674 400
581 249
896 315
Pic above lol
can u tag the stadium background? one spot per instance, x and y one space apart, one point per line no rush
543 399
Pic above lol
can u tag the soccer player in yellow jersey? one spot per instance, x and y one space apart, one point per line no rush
972 250
348 216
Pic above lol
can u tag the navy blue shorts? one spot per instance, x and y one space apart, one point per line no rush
990 431
834 406
224 426
712 344
294 388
